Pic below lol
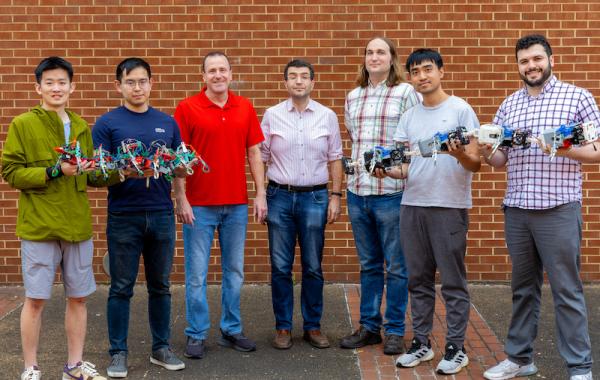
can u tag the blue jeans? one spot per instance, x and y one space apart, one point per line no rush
376 226
231 222
297 215
131 235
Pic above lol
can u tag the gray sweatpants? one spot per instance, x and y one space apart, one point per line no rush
549 239
436 238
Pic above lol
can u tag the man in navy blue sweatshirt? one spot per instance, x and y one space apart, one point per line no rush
140 218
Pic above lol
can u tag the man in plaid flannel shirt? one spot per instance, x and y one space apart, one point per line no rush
542 207
372 112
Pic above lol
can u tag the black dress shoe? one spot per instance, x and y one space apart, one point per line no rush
360 338
394 345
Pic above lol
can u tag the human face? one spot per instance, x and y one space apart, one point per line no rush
535 67
378 59
217 75
298 83
135 86
55 88
426 77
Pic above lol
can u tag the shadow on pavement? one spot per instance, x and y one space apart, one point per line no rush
300 362
495 305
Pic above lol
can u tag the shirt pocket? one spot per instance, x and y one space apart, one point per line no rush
319 144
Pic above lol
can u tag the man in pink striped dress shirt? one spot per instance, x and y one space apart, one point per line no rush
302 146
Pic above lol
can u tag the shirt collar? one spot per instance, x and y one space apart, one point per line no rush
378 85
232 100
547 88
289 105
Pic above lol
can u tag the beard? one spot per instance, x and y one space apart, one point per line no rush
546 73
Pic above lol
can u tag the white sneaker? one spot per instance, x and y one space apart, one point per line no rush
31 373
83 371
507 370
417 353
454 360
586 376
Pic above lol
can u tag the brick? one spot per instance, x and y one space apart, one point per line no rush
477 40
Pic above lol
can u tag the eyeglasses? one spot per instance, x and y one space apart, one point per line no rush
134 83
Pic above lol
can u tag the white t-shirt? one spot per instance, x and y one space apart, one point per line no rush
445 183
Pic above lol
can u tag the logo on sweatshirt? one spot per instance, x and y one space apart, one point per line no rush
159 130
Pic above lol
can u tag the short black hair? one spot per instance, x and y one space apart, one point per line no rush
216 53
533 39
53 63
421 55
299 63
129 64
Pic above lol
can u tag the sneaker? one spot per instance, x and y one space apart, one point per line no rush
82 371
454 360
31 373
118 365
417 353
585 376
164 357
194 348
237 341
393 344
507 370
360 338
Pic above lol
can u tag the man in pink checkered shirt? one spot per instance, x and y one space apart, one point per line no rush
542 207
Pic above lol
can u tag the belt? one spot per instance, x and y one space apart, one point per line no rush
298 189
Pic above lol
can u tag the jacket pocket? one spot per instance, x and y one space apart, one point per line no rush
40 155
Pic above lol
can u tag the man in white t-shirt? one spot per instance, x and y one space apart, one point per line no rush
434 213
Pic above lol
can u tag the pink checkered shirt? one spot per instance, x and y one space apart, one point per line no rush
535 182
299 145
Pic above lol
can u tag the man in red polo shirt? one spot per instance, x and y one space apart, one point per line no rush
223 128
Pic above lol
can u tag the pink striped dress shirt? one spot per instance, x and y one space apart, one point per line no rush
299 145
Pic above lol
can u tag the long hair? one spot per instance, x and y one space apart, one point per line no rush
396 75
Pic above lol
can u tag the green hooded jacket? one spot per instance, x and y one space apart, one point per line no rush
56 209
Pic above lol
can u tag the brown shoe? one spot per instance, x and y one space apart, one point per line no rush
316 339
283 340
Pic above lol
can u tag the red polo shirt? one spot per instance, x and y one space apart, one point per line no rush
221 136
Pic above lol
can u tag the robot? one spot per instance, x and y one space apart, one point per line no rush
439 142
379 158
567 135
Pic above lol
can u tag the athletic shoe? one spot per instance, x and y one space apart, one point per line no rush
454 360
82 371
31 373
164 357
585 376
237 341
118 365
417 353
507 370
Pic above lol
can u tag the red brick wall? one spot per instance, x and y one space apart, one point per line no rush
476 39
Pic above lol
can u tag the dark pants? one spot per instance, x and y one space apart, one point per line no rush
436 238
130 235
549 239
301 216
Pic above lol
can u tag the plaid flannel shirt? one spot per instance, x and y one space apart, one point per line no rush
372 115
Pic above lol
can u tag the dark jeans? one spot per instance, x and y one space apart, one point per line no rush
299 216
376 227
129 235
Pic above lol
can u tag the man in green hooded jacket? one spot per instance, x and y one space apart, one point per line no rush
54 220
